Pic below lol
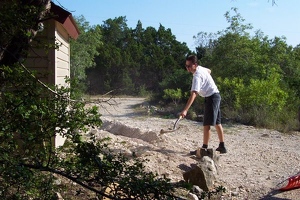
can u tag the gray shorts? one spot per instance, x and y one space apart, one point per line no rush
212 112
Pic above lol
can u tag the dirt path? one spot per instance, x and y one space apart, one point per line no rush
257 159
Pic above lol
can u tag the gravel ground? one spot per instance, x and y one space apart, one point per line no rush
256 162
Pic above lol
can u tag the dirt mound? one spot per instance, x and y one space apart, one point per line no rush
256 162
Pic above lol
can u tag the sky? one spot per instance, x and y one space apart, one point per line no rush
186 18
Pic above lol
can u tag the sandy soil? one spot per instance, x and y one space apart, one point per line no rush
256 162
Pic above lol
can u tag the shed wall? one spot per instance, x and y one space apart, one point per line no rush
52 65
40 59
62 55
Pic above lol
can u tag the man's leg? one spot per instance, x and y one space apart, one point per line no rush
206 134
220 132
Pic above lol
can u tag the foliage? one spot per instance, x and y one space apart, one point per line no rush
146 60
174 95
257 76
84 48
178 79
130 58
83 51
31 117
229 89
33 113
19 24
261 93
143 92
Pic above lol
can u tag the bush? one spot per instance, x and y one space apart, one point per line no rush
32 114
172 94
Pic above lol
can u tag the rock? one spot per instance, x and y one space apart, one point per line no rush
196 189
58 196
234 193
200 153
203 175
57 181
204 152
265 135
192 196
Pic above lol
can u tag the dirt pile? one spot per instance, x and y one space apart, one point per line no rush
256 162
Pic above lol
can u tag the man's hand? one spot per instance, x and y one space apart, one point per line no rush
183 113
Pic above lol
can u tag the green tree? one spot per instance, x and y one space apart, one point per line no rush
33 113
174 95
144 56
292 71
251 73
109 62
163 57
84 48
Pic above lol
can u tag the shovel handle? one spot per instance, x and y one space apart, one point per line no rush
179 118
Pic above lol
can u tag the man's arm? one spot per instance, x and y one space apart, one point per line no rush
189 103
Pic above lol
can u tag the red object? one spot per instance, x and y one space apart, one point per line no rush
293 183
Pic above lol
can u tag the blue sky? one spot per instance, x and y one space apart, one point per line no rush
186 18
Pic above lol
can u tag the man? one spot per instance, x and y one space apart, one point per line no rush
204 85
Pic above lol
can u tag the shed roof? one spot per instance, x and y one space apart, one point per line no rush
65 18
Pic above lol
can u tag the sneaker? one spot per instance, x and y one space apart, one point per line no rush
221 149
193 152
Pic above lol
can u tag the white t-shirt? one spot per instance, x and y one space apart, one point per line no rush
203 82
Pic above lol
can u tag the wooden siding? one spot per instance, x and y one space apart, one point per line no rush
62 55
52 65
49 62
40 60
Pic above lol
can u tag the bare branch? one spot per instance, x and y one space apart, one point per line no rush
41 168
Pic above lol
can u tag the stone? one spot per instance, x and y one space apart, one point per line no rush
192 196
200 153
196 189
203 174
58 196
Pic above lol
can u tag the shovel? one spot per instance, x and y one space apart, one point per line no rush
162 131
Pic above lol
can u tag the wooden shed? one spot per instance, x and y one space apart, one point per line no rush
53 64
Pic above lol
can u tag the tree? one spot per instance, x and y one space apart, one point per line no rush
109 62
291 71
84 49
131 58
33 113
250 73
